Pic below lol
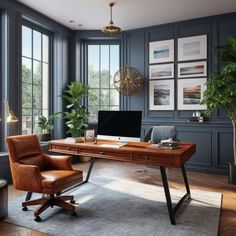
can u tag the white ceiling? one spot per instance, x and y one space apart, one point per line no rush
128 14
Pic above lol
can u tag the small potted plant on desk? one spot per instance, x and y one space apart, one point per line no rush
221 92
46 126
76 114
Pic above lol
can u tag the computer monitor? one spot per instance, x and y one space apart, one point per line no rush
123 126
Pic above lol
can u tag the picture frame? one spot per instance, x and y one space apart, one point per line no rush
161 51
192 69
89 135
190 93
192 48
161 95
161 71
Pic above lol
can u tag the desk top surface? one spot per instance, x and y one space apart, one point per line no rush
130 147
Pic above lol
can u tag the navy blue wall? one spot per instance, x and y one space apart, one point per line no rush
213 138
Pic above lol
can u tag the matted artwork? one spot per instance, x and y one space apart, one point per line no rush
161 51
161 95
162 71
192 48
190 94
192 69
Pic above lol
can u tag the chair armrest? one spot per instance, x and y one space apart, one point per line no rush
27 177
59 162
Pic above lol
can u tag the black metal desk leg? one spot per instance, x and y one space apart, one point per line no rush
167 194
28 196
90 169
186 180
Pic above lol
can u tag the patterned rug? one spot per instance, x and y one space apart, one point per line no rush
119 208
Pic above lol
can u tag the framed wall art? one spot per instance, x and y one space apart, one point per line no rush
161 51
161 95
192 48
190 94
192 69
162 71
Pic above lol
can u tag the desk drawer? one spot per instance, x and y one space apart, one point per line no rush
146 158
116 155
88 151
64 148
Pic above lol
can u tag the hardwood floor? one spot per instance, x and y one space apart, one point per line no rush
151 175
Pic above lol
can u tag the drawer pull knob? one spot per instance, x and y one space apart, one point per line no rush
146 157
102 153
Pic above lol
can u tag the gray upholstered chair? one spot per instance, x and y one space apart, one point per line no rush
158 133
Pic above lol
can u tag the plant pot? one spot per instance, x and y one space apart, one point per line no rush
45 137
232 173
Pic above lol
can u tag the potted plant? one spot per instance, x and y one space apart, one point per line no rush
76 114
221 92
46 126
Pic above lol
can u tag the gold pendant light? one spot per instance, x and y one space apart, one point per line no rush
111 29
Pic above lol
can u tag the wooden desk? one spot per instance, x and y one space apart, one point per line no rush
135 153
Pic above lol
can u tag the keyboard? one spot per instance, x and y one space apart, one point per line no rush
112 145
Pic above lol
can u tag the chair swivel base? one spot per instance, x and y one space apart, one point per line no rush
50 201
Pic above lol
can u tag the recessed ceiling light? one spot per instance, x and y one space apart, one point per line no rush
80 25
71 21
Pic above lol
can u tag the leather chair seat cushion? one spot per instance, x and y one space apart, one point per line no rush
37 160
54 179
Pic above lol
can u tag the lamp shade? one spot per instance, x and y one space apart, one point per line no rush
11 117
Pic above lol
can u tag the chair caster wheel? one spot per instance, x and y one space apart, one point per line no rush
37 219
72 201
73 213
24 209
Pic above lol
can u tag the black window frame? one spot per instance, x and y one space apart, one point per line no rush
99 42
44 31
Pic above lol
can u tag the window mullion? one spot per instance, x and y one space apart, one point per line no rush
99 91
32 81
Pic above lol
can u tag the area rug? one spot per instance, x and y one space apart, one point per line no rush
112 207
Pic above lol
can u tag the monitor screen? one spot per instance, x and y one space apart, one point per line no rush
119 125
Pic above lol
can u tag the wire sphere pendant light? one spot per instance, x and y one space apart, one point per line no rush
111 29
128 81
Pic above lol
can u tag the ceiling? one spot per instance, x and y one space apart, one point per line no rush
127 14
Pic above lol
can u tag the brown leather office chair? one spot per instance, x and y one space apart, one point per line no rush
34 171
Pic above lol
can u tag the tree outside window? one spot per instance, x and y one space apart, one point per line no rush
35 78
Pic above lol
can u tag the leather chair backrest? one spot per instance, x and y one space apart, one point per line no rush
162 132
23 147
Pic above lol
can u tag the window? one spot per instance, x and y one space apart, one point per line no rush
103 62
35 78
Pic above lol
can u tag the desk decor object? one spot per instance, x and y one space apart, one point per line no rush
89 135
135 152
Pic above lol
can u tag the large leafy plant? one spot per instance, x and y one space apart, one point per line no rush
46 124
76 114
221 87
